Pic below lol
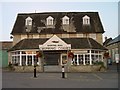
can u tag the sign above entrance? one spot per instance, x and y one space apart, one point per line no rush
55 43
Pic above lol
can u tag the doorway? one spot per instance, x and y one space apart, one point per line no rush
51 59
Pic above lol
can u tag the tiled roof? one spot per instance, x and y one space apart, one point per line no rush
75 17
115 40
76 43
107 41
5 45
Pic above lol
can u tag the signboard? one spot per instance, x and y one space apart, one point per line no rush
55 43
55 48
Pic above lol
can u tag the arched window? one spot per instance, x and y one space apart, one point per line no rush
50 20
86 20
28 21
65 20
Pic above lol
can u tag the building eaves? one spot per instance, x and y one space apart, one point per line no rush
76 43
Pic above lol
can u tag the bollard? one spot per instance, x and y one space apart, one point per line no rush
34 71
63 71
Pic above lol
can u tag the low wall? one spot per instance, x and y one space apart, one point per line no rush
80 68
27 69
85 68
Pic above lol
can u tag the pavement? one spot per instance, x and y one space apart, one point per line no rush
108 79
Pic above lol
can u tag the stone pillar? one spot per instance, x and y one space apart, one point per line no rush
20 59
105 62
42 64
84 59
69 64
90 58
39 61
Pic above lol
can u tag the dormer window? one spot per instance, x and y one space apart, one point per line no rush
65 20
28 21
50 20
86 20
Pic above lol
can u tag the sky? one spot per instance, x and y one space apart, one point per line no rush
107 9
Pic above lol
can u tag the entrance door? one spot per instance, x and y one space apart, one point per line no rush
52 58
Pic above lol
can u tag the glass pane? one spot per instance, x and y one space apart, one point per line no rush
23 60
29 60
80 58
23 52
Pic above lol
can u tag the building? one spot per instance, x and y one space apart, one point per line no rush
55 35
4 52
113 46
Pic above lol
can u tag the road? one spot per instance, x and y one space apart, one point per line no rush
107 79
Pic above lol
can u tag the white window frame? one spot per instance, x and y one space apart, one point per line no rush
86 20
50 20
28 21
65 20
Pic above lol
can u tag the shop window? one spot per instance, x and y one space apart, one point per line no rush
64 59
23 60
80 58
87 59
75 60
29 60
15 60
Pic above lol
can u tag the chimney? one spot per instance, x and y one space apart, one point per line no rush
105 38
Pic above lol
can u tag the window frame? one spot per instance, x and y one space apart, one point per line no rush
86 20
50 20
65 20
28 21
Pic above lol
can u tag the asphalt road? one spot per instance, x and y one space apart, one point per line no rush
107 79
54 80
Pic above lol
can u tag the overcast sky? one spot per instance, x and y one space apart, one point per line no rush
108 12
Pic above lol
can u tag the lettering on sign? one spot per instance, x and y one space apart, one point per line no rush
55 48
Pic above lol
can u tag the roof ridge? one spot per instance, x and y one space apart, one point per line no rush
47 12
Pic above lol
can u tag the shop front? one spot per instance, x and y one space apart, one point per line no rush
55 52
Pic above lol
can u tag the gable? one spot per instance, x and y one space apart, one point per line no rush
55 43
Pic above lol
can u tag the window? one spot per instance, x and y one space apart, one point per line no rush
65 20
86 20
64 59
50 20
29 21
